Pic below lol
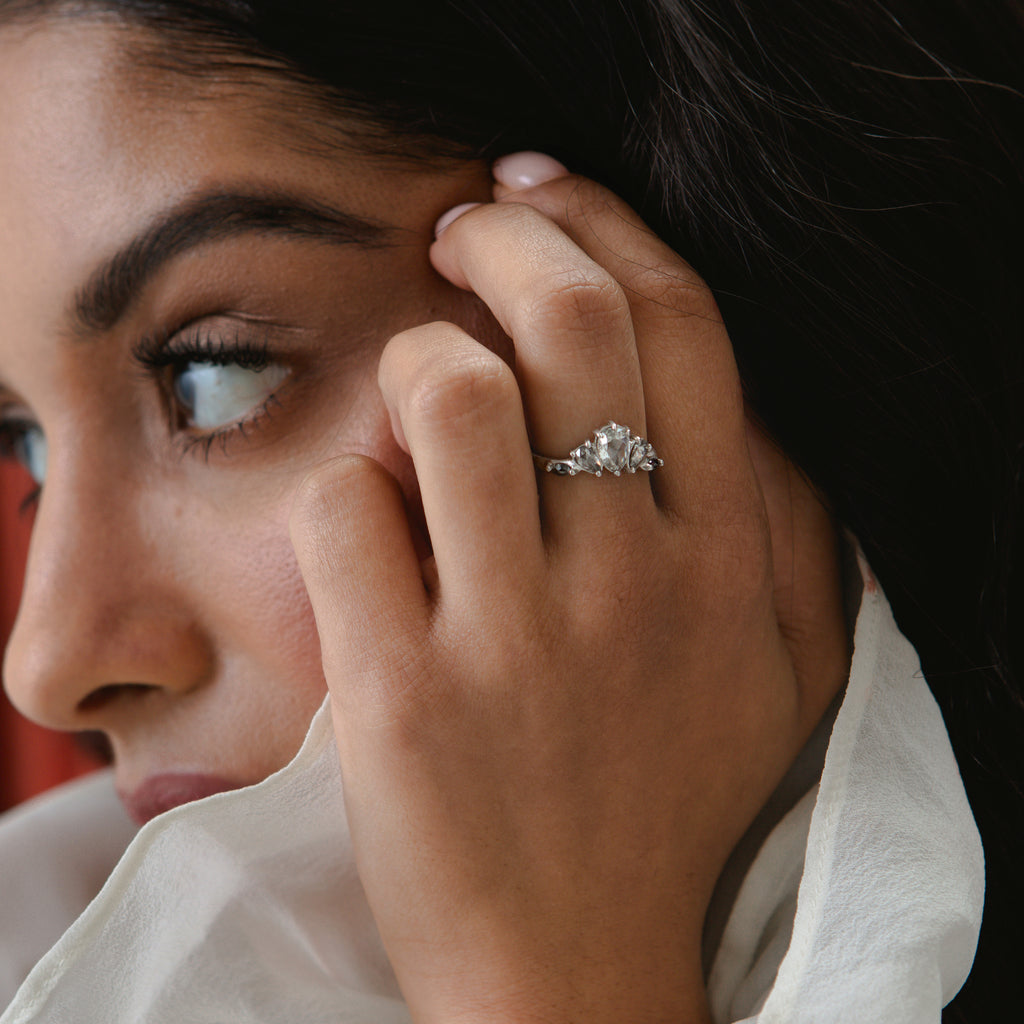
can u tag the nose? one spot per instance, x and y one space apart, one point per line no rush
103 618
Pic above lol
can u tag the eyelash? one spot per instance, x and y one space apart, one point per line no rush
160 355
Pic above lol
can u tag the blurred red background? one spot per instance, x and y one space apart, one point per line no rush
32 759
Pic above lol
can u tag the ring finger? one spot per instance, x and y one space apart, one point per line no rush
576 356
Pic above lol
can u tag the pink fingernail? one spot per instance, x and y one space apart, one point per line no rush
445 220
526 169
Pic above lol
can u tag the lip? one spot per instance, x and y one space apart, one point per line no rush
163 792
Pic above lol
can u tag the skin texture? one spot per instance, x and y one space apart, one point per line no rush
556 720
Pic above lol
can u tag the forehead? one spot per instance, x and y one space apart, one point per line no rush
88 129
56 134
96 142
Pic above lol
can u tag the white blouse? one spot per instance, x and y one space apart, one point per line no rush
862 904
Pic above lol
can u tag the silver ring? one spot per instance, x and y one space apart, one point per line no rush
614 449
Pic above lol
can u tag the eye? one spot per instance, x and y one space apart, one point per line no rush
25 443
218 379
215 395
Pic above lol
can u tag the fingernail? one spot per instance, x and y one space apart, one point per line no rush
526 169
453 214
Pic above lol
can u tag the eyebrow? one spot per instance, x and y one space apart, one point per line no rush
210 217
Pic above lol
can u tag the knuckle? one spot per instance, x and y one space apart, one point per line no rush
580 300
327 489
677 289
669 287
663 278
588 202
458 387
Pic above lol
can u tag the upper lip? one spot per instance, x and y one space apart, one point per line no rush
160 793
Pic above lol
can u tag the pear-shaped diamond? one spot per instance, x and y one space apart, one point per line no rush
613 447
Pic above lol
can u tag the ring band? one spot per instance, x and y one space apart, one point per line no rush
614 449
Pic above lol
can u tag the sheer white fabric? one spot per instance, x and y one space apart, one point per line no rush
863 904
55 854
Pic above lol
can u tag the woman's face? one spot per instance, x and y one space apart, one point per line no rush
194 300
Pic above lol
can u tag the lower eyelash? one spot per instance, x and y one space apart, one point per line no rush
204 443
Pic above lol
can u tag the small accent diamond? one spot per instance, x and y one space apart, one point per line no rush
586 458
638 449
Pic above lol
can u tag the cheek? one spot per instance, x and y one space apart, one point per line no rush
271 680
276 621
254 586
269 648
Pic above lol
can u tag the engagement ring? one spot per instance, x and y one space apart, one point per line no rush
614 449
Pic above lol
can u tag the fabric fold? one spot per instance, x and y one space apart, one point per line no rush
888 904
244 907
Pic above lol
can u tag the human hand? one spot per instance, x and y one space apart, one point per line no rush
553 732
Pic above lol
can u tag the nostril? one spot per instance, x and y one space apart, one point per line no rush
105 695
